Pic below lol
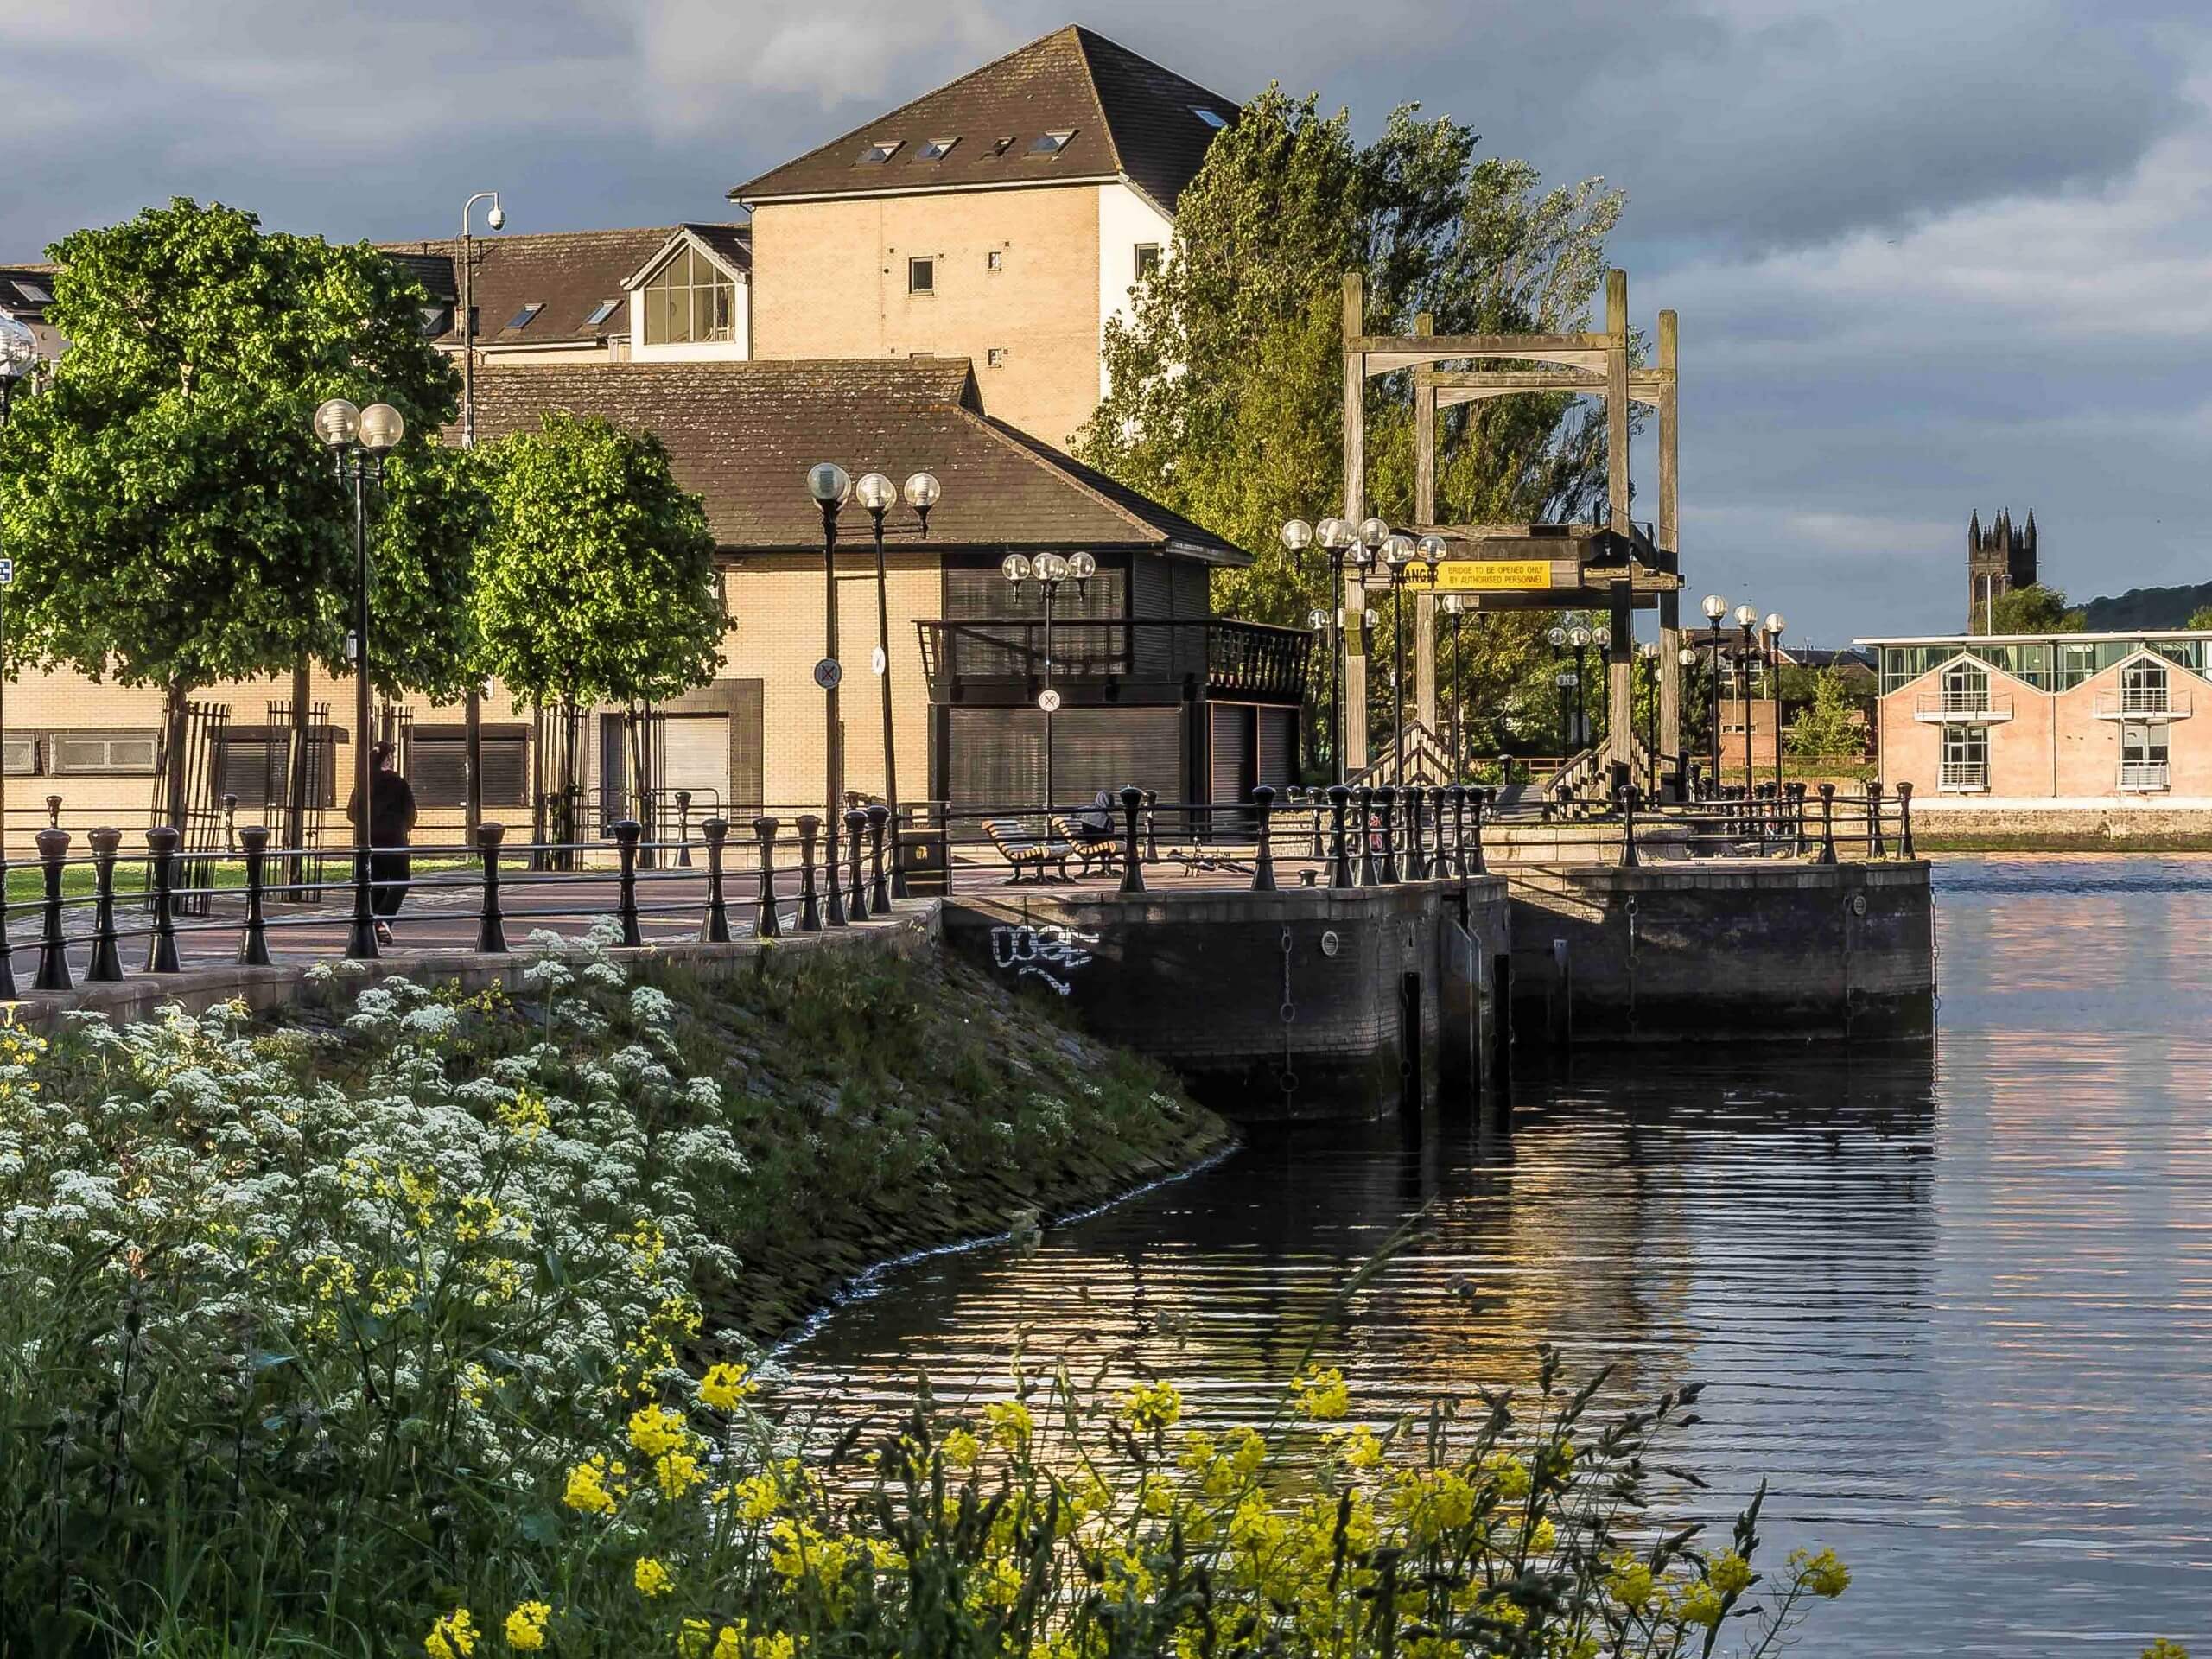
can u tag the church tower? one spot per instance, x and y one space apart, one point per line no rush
1998 560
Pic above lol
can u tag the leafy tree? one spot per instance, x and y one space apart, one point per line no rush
596 581
1831 724
2035 608
2200 618
174 520
1226 399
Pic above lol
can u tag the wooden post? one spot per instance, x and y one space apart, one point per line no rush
1620 656
1669 527
1354 599
1424 516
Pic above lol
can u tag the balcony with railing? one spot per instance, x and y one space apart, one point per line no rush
2152 703
2142 776
1964 776
1001 660
1963 706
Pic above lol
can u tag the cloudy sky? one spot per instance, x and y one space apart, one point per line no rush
1930 255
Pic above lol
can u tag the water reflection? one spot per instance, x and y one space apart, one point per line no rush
1955 1301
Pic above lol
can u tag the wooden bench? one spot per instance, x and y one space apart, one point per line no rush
1022 853
1095 848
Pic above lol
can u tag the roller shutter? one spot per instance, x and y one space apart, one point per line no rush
996 756
1278 747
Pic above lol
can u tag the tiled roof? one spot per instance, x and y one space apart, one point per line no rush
742 435
570 273
25 290
1129 116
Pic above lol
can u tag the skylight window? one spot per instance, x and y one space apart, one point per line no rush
33 292
1213 118
527 315
1002 146
879 152
935 150
1051 143
601 313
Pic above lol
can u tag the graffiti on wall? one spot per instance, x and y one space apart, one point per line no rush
1051 953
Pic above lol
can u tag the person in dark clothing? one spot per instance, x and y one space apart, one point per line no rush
1097 819
391 817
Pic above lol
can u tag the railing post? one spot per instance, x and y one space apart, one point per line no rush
879 820
52 958
230 824
160 953
7 951
1474 847
1132 866
856 839
1874 847
765 926
1386 802
253 942
1263 866
1152 826
626 832
1340 860
1313 800
684 829
1363 799
1904 819
1458 856
54 811
810 897
491 921
1416 834
1628 827
106 964
715 929
1828 823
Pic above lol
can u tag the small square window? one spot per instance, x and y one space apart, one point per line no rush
995 260
601 313
921 276
527 315
1147 260
1213 118
935 150
995 357
1051 143
877 153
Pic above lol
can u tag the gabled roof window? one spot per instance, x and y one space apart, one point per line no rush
33 292
1003 145
877 153
1051 143
527 315
935 150
1213 118
601 313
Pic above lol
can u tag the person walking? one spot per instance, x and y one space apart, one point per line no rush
391 817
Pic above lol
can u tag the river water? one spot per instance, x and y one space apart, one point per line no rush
1954 1302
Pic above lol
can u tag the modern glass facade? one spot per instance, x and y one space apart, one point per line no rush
2058 663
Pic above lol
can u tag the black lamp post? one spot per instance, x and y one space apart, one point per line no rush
1775 623
1579 637
1049 570
1342 546
19 356
1400 554
1649 653
1555 637
1455 606
1685 659
877 493
1747 618
830 485
1715 607
362 437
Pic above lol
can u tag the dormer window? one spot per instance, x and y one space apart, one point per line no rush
879 152
1213 118
601 313
527 315
1051 143
690 300
33 293
1001 146
935 150
436 318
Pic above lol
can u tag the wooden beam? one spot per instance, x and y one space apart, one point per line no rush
1435 346
1389 362
1649 382
1620 643
1667 532
1424 510
1355 437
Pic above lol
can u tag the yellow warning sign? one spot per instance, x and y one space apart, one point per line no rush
1492 575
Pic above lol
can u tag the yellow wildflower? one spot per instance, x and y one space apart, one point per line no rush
1358 1447
1508 1474
691 1641
651 1577
525 1115
656 1429
1010 1423
724 1386
1152 1406
1630 1583
1323 1396
1729 1573
755 1498
526 1626
961 1449
677 1473
1823 1574
1700 1605
453 1637
593 1488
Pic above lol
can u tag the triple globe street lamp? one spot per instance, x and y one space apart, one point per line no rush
1048 571
1767 654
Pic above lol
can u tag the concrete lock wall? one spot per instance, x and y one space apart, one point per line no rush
1301 1003
1743 951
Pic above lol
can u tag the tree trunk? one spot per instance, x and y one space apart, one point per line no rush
176 721
296 756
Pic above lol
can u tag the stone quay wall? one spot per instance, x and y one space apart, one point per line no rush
1304 1002
1721 950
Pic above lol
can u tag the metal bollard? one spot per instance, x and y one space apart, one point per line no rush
1363 799
1874 847
1475 865
1263 866
491 920
765 926
1132 866
54 811
230 824
879 820
627 833
1417 834
684 829
856 836
1457 794
1628 827
7 951
160 953
1314 797
253 942
52 958
1386 803
1340 861
715 929
1904 818
833 912
106 965
810 897
1151 826
1828 823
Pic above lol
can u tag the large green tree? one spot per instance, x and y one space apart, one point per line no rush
596 581
2035 608
174 519
1226 397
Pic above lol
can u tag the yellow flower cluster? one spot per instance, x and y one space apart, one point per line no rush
595 1486
726 1387
526 1626
1151 1406
1323 1396
453 1637
1822 1574
651 1577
